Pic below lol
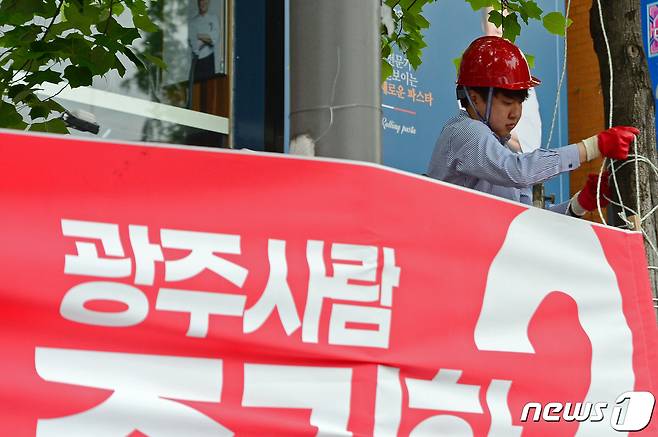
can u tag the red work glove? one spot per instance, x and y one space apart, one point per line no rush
612 143
585 200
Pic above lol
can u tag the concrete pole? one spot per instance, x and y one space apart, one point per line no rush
335 63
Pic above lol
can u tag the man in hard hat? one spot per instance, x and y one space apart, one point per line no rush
493 81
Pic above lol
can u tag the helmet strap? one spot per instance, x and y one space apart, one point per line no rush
470 102
484 120
487 114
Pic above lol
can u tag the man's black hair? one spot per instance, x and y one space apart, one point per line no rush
518 95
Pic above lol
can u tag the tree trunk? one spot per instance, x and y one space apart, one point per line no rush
633 105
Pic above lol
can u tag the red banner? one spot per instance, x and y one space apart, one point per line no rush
182 291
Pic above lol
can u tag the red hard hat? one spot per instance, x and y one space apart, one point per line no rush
492 61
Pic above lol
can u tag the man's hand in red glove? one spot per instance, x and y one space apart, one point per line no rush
585 199
612 143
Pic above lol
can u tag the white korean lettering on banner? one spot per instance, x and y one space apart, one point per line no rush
277 295
140 385
326 391
87 262
359 263
501 418
591 283
349 324
388 402
73 304
201 305
203 246
146 254
442 393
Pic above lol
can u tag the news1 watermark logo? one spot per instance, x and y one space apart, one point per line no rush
631 411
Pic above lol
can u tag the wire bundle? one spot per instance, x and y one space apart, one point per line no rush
634 159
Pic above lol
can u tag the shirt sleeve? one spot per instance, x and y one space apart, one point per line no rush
479 154
560 208
214 35
191 37
525 196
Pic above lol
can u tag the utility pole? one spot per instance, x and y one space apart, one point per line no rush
335 76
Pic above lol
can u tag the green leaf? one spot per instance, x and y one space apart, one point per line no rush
8 115
556 23
117 9
479 4
511 27
78 19
457 62
108 43
104 15
18 12
78 76
496 18
103 61
414 58
53 105
127 35
387 69
531 60
422 22
39 77
19 35
26 96
58 29
121 69
133 57
531 9
55 126
409 21
19 125
158 62
18 91
39 111
413 5
144 23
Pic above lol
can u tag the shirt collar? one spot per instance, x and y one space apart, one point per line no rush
502 140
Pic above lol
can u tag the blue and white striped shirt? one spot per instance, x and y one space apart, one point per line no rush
469 154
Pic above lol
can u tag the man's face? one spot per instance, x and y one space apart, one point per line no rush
203 7
505 112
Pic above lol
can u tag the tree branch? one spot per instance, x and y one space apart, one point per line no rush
6 52
412 5
57 93
59 8
107 23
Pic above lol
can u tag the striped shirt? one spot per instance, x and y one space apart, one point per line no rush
468 153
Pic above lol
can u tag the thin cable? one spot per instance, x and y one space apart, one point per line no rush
609 53
333 95
637 183
559 86
610 102
636 159
655 249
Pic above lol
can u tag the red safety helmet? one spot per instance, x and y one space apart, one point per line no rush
492 61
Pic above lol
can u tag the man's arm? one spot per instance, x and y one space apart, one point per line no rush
479 154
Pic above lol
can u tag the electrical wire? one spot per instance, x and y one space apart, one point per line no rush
635 158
